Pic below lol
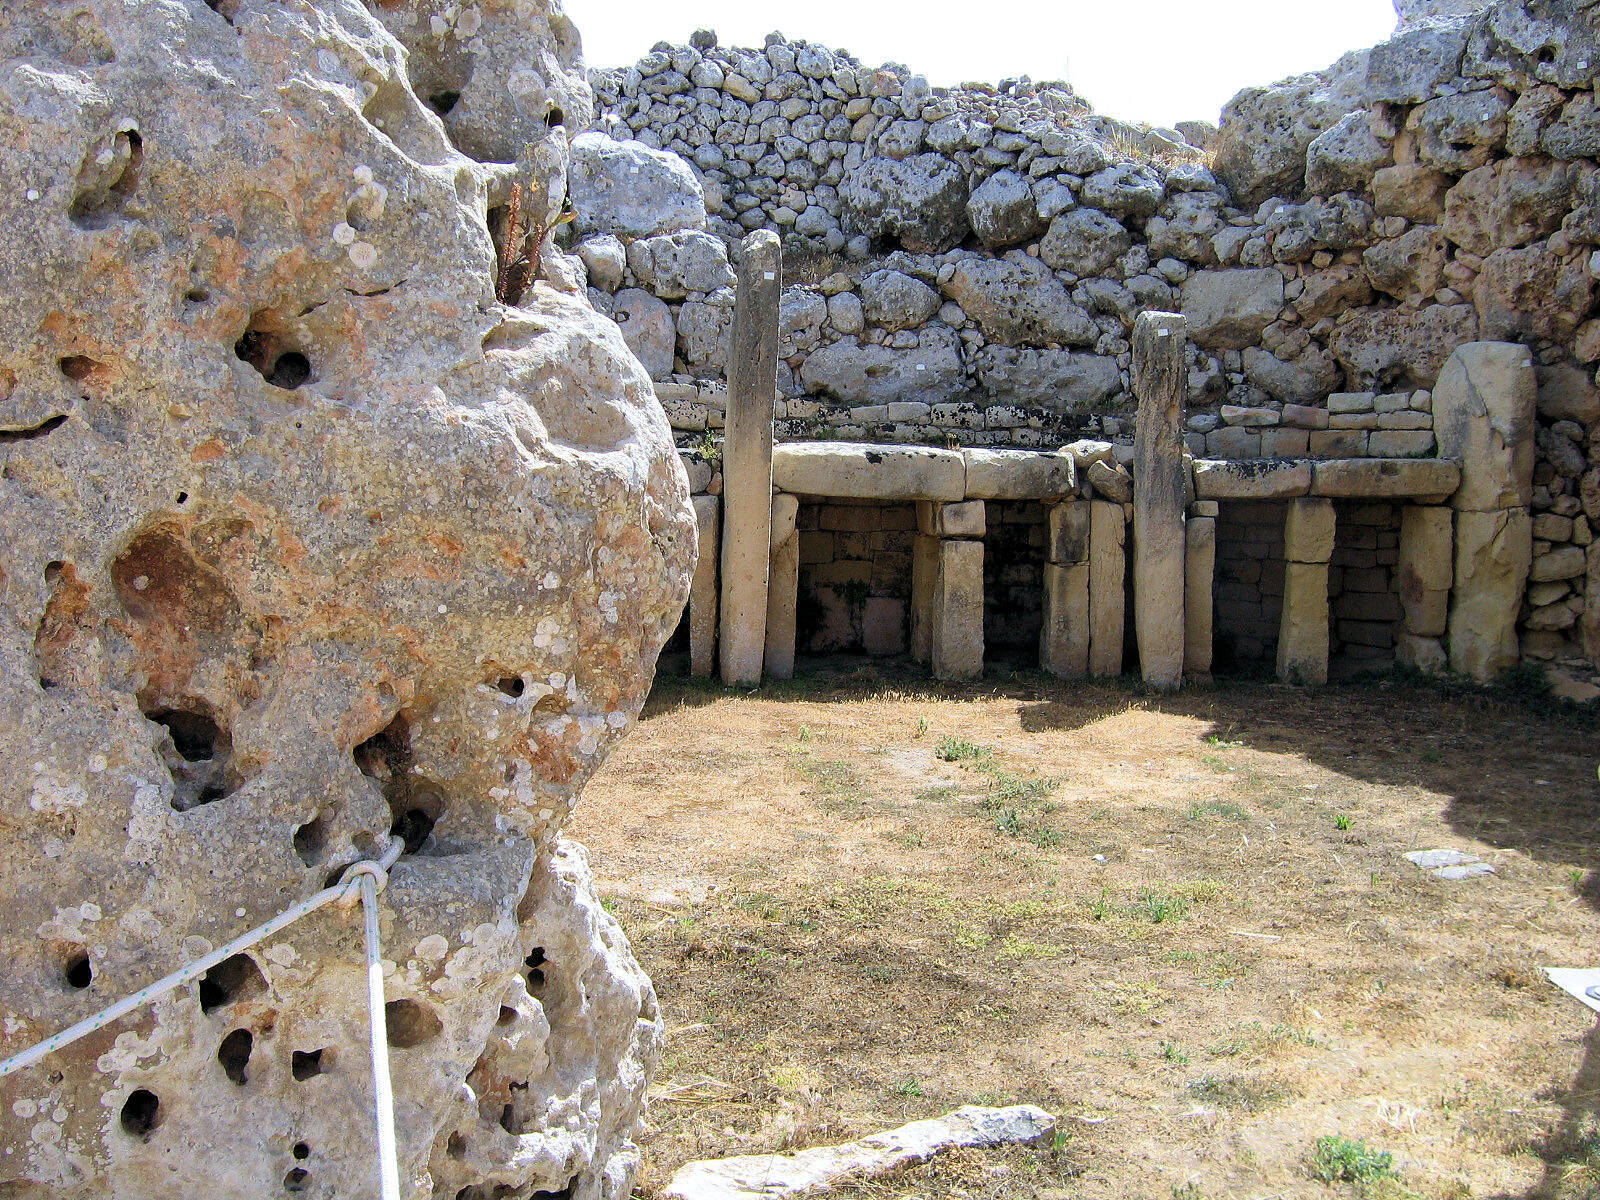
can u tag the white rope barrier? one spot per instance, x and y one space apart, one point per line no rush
361 881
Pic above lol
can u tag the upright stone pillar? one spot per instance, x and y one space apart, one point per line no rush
747 459
957 618
703 588
1064 635
1160 379
1422 577
1108 570
1303 627
924 582
1483 416
1199 569
783 587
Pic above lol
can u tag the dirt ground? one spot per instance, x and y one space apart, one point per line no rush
1182 924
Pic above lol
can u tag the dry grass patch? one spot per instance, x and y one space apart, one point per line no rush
1182 923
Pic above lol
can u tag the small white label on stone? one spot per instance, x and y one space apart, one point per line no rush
1162 332
922 366
768 275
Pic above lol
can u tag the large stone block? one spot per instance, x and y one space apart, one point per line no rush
1019 474
1303 624
1251 479
1068 535
703 591
1199 571
1493 553
1065 632
1308 529
851 470
1108 568
1427 479
783 587
956 616
1426 567
1483 417
630 189
965 519
1227 310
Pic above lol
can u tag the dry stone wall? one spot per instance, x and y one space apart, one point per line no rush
310 540
971 259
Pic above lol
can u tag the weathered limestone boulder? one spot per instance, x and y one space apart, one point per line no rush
647 328
1084 241
1251 479
1266 131
895 300
1055 380
1402 346
1506 204
1483 416
1019 303
1002 211
1532 291
675 264
632 190
931 373
308 540
1460 133
1493 552
1227 310
1345 156
920 201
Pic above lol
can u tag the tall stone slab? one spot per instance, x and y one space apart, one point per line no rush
1199 570
747 459
924 583
1064 632
1483 414
1303 624
1426 568
1108 568
1160 379
956 645
703 588
783 587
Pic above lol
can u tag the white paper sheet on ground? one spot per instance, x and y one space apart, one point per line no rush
1576 981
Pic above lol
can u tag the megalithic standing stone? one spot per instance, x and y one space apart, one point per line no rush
747 459
1160 377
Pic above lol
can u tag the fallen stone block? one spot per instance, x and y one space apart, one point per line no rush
767 1176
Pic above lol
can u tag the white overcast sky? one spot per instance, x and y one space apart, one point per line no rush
1148 60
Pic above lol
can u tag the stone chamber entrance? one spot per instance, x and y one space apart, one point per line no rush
854 593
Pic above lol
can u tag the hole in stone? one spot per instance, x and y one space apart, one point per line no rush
413 827
410 1024
266 348
308 1064
228 10
230 981
79 974
182 497
194 734
555 117
564 1194
508 1015
443 102
297 1180
310 840
234 1054
77 367
508 1119
1545 57
108 177
301 1150
535 964
141 1113
456 1146
198 295
511 685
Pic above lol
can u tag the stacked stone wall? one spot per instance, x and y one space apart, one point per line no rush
1364 604
966 263
1013 580
855 578
1249 585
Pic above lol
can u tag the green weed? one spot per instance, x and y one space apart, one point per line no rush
1337 1159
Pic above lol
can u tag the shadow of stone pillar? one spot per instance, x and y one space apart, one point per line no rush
703 588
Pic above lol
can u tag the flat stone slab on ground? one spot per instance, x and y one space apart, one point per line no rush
764 1176
1449 864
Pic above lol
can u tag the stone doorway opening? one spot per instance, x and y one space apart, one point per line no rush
854 593
1014 555
1248 588
1363 594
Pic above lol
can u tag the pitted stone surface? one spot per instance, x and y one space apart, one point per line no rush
308 538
